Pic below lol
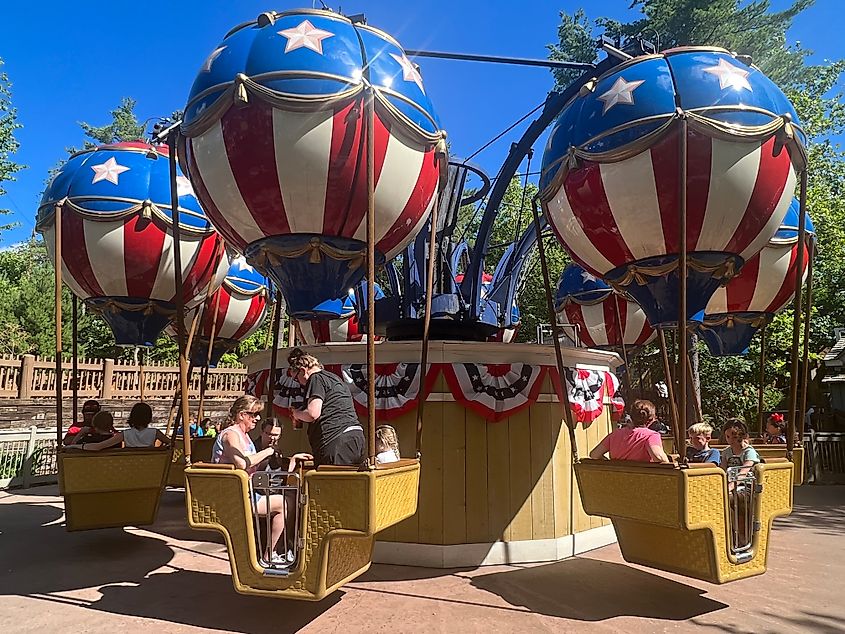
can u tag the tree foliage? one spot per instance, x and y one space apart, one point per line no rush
8 143
750 28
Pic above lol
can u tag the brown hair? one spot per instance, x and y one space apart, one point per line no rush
737 424
242 404
643 404
141 416
298 359
103 422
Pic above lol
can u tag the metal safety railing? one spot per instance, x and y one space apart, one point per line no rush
742 497
27 457
824 457
275 493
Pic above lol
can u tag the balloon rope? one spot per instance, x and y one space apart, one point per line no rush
180 299
616 299
371 275
808 305
796 319
670 377
544 266
274 356
58 301
678 428
74 381
429 290
177 396
204 370
760 424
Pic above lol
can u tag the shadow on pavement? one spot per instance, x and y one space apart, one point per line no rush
591 590
820 509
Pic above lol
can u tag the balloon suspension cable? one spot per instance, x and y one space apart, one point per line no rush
180 298
796 319
58 307
274 356
669 376
627 377
268 339
74 380
808 307
699 417
761 387
204 371
429 291
678 428
142 378
550 306
518 228
371 276
174 417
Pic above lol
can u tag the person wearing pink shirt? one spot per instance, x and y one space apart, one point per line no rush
637 442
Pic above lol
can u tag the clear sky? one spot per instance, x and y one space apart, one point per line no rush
73 60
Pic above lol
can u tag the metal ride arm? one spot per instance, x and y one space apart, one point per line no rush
471 285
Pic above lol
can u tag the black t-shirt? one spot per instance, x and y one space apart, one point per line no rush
338 411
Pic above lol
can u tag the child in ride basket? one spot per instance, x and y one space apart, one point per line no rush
776 430
699 439
387 445
738 453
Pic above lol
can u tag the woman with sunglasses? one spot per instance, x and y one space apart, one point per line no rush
234 446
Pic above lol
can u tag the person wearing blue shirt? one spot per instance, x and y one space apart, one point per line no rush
699 449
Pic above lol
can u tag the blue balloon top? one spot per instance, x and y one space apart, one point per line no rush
788 230
580 286
245 279
641 95
312 53
118 179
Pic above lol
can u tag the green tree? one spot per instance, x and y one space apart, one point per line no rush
750 28
124 126
8 143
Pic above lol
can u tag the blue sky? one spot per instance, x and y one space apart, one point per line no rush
74 61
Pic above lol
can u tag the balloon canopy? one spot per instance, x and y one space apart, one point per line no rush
117 238
344 328
611 184
276 147
234 312
605 318
764 287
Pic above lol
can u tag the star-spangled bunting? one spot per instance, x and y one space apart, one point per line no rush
730 76
109 171
622 92
306 35
409 71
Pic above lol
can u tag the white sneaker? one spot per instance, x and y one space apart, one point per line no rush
290 557
276 558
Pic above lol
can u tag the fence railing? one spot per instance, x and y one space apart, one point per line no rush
29 377
27 458
825 456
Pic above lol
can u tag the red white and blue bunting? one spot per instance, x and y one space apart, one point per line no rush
494 390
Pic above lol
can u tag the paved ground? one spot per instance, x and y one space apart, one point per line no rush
175 580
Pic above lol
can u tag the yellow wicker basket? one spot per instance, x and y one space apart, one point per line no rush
344 510
200 452
112 488
677 519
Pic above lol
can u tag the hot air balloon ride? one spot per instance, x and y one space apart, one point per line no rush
764 287
117 238
314 148
277 137
663 177
344 328
605 319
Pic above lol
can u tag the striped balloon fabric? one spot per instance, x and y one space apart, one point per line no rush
276 127
117 238
611 184
764 287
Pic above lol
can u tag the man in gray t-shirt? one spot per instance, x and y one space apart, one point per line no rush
335 435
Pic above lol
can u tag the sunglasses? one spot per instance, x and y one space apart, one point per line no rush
254 414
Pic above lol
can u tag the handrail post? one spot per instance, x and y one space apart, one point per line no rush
107 390
27 375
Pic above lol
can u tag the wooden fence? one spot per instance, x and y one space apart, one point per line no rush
30 377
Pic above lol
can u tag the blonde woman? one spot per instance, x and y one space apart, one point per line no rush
334 432
234 446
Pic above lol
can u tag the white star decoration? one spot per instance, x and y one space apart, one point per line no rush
206 68
108 171
409 71
730 76
306 35
183 187
586 276
621 92
241 265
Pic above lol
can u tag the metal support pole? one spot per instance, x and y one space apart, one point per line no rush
74 381
680 429
205 368
142 379
371 276
808 305
274 356
58 307
180 298
796 319
695 403
670 378
177 396
627 385
550 306
500 59
760 390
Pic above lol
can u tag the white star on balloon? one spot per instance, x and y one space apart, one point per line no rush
183 186
241 265
730 76
586 276
108 171
206 67
621 92
409 71
306 35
